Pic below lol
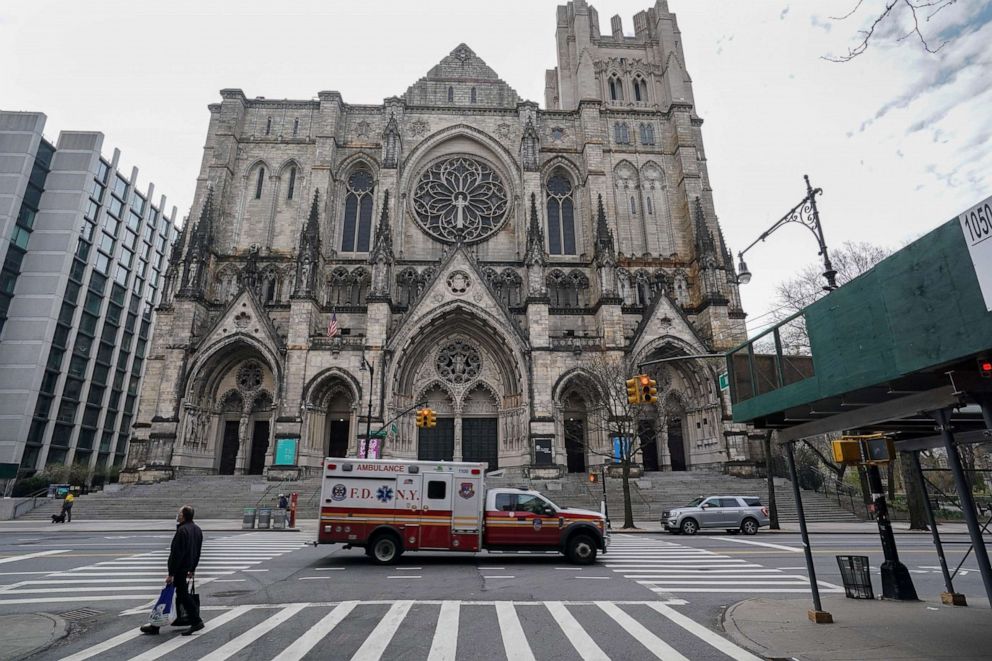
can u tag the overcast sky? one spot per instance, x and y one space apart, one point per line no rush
898 139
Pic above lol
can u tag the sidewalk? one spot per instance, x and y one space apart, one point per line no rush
779 629
27 634
864 527
143 525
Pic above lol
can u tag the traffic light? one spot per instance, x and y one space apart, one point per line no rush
421 417
985 367
633 392
649 389
430 419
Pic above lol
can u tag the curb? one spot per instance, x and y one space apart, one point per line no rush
60 629
730 628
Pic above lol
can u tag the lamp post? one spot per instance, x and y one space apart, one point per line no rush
806 214
368 417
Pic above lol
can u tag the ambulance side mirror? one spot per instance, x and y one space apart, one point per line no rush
548 511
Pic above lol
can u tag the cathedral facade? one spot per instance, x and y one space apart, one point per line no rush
454 245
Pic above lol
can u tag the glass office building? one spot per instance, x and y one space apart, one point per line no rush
83 249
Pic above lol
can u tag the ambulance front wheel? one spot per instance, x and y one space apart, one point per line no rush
581 550
385 549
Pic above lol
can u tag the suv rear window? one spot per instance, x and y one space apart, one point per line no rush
752 501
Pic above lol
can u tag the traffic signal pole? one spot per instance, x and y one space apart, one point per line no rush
896 581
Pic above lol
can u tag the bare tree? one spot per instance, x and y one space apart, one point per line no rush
609 413
891 12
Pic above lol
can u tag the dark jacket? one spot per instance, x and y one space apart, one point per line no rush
184 555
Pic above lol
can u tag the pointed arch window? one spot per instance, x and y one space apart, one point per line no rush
292 184
621 133
451 94
296 126
268 126
616 89
259 183
357 228
633 206
561 216
649 206
640 90
473 95
647 134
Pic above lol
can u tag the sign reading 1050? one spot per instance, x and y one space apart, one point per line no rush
978 222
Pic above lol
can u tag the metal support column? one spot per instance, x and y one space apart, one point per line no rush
943 419
950 596
817 615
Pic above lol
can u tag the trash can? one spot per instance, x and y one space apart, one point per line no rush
264 517
278 519
856 574
248 521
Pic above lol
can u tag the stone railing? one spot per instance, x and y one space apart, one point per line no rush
577 344
322 343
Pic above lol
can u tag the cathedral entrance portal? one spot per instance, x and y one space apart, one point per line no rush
575 445
259 446
676 443
340 434
229 448
437 443
480 441
649 444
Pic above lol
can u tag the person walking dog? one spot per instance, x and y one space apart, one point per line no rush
67 506
184 556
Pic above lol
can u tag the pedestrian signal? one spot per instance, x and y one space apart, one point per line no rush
430 419
985 368
421 417
633 392
649 389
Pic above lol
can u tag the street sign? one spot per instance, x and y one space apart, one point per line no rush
976 225
724 381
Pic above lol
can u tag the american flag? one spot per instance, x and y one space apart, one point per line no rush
332 325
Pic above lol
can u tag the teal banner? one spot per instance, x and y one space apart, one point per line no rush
286 452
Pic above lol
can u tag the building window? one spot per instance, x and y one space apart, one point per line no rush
640 89
621 133
357 228
292 183
451 94
259 182
649 206
296 127
647 134
633 206
473 95
561 216
616 89
268 126
567 291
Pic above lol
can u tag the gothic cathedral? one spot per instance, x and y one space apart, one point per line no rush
455 245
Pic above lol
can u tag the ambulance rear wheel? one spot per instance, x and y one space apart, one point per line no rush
581 550
385 550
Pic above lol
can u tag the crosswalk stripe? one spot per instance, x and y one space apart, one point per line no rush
445 643
514 640
577 636
655 645
247 638
378 640
175 643
693 627
316 633
100 648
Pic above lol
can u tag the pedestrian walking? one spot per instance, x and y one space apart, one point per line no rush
67 506
184 556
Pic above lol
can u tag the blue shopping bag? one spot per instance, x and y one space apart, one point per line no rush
161 613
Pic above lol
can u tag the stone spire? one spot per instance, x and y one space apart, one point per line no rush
529 146
706 259
308 253
535 235
381 257
535 258
704 238
605 251
199 249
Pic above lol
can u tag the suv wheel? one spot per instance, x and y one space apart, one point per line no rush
749 527
690 527
581 550
385 550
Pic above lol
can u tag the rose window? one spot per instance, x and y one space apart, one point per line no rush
250 376
459 362
460 199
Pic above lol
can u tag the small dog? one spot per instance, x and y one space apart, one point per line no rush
58 518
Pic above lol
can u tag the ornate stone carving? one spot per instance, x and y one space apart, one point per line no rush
460 199
458 362
249 377
363 129
419 127
242 320
458 283
503 132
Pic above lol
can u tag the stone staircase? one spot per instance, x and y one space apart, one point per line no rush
224 497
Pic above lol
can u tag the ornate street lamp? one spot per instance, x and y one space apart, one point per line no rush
805 214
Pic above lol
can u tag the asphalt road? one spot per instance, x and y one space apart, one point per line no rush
268 594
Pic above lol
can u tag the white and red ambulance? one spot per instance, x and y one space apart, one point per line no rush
391 506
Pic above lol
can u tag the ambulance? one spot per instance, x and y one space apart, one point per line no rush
391 506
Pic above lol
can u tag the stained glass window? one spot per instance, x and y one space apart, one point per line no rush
561 216
358 212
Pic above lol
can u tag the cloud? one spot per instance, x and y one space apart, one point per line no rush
784 13
817 22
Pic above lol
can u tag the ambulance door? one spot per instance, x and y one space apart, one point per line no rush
467 515
435 518
408 503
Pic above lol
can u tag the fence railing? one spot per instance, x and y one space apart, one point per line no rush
30 503
828 485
